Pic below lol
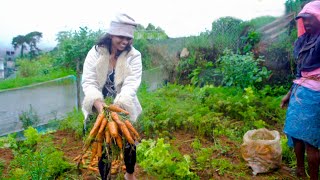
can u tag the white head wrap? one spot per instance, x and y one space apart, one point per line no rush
123 25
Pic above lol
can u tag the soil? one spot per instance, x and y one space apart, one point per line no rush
6 155
71 145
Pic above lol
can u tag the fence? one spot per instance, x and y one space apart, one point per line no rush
51 100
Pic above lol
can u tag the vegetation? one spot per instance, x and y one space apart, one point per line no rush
31 39
213 96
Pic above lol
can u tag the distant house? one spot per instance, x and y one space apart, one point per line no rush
9 63
2 68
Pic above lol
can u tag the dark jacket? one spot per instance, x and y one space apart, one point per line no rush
307 53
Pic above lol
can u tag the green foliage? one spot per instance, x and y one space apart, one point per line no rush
161 160
142 46
40 66
280 58
226 32
198 68
222 166
261 21
31 39
295 5
73 121
288 155
250 41
29 118
74 46
241 70
208 111
20 82
2 164
32 137
150 33
42 161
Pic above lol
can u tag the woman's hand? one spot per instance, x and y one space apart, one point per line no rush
285 100
98 104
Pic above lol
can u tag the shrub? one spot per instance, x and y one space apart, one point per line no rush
29 118
241 70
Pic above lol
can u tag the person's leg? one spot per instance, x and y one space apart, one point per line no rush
299 150
130 160
104 165
313 161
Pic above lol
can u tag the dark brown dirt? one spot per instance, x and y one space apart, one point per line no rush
71 145
6 155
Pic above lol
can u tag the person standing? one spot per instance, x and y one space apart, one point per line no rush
113 68
302 124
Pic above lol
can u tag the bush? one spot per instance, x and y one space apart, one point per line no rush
241 70
42 65
29 118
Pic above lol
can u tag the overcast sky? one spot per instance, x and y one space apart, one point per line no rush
177 18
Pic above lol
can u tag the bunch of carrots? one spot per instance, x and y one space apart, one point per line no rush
111 128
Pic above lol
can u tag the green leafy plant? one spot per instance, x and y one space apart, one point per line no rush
73 121
222 166
2 165
29 118
32 137
161 160
42 161
241 70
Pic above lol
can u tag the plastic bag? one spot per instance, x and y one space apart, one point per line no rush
261 149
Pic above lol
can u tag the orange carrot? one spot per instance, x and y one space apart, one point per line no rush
116 108
94 150
107 136
103 125
76 158
99 146
97 124
116 118
126 133
112 126
119 141
131 128
93 169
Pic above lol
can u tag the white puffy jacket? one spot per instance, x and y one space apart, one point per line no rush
127 79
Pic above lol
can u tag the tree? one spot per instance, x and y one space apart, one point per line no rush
19 41
73 48
31 39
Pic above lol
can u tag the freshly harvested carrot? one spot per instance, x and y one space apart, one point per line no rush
83 161
123 167
97 124
94 150
121 156
107 136
85 156
125 131
103 125
93 169
115 117
99 146
116 108
76 158
131 128
113 128
119 141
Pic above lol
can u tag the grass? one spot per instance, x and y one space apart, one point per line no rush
20 82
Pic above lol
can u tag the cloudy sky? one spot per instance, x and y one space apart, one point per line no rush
176 17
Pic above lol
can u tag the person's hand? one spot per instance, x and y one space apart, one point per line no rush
285 100
99 105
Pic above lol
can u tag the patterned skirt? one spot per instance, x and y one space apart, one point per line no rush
303 116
